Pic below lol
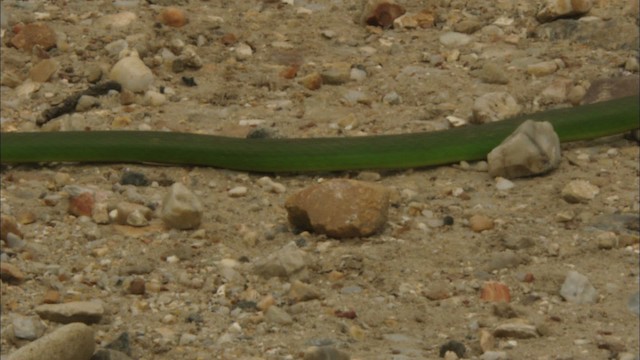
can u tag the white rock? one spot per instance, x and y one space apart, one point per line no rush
579 191
533 149
504 184
454 39
181 209
577 289
88 312
132 74
542 68
238 191
155 98
243 52
494 106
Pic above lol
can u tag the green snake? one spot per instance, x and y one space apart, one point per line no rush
316 154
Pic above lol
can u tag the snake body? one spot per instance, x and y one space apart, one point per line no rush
317 154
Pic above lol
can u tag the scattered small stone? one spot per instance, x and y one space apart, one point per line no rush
479 223
492 73
556 92
380 13
612 343
181 209
577 289
283 263
272 186
51 296
504 260
454 39
455 346
392 98
132 214
340 208
27 327
86 103
8 225
357 74
486 340
632 64
532 149
132 74
495 291
276 315
81 204
494 106
243 52
542 68
43 70
154 98
238 191
34 34
337 74
88 312
554 9
468 26
576 94
494 355
134 178
634 303
70 342
173 16
610 88
325 353
300 291
579 191
504 184
518 329
137 286
312 81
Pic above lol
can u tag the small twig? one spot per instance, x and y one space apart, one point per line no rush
69 104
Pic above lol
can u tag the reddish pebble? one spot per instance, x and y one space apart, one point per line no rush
35 34
173 16
381 13
82 204
228 39
349 314
137 287
528 278
290 72
10 273
495 291
51 297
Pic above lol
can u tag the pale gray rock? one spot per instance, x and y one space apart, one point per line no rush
515 329
533 149
132 74
27 327
276 315
70 342
579 191
88 312
282 263
181 209
577 289
325 353
494 106
454 39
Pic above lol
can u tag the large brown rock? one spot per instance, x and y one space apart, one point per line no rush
340 208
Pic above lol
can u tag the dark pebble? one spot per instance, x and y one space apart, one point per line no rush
455 346
447 220
121 344
134 178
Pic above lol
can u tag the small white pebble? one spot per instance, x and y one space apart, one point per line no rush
504 184
237 191
172 259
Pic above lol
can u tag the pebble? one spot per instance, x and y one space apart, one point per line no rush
486 340
504 260
137 286
311 81
86 103
494 106
27 327
88 312
336 74
380 13
154 98
325 353
632 64
8 225
479 223
579 191
517 328
454 39
43 70
492 73
238 191
132 214
70 342
542 68
181 209
532 149
271 186
494 291
173 16
243 52
285 262
392 98
339 208
577 289
300 291
132 74
503 184
357 74
119 20
554 9
454 346
556 92
10 273
14 241
81 204
276 315
34 34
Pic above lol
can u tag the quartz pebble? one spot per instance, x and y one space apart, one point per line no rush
532 149
577 289
504 184
70 342
494 106
243 52
340 208
454 39
238 191
579 191
285 262
132 214
132 74
181 209
88 312
27 327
